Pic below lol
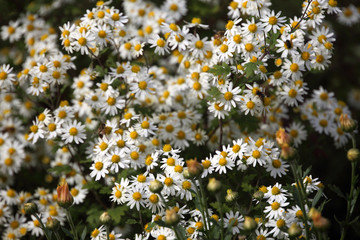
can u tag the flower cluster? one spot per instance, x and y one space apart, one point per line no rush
156 92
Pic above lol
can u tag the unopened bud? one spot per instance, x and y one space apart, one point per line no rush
283 138
258 195
156 186
213 185
30 208
231 195
249 224
347 124
287 153
321 223
353 154
194 167
105 218
294 230
64 198
52 224
171 217
186 173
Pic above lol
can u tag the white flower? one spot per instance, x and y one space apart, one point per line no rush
73 132
99 168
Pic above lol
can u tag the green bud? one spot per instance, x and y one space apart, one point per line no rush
105 218
30 208
156 186
52 224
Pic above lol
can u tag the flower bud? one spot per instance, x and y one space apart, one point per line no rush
249 224
105 218
230 195
294 230
287 153
283 138
156 186
213 185
258 195
171 217
353 154
321 223
52 224
64 198
186 173
30 208
194 167
347 124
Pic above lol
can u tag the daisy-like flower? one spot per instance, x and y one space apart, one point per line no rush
160 44
34 227
272 21
217 108
11 32
119 191
275 209
349 15
112 104
99 168
6 76
311 184
276 193
293 69
323 123
230 96
222 161
117 157
234 221
142 87
238 149
323 98
199 47
277 168
83 41
79 194
256 154
37 130
251 104
73 132
98 233
297 132
292 94
135 197
175 9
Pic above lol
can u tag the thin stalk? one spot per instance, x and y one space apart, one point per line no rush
201 203
141 220
57 236
107 232
301 198
43 227
349 200
72 226
221 216
178 236
207 220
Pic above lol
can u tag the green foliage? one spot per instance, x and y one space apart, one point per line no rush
223 69
117 213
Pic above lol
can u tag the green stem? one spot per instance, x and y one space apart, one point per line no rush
203 197
107 232
57 236
43 227
177 234
221 216
71 223
299 185
349 200
201 203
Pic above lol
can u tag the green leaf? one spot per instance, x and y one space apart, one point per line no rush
131 221
216 205
105 190
246 187
83 234
336 190
93 216
214 93
63 169
317 197
117 212
250 68
100 70
354 200
223 69
104 51
93 185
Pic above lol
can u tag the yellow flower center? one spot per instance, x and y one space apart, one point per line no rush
154 198
134 155
142 85
256 154
275 205
186 185
292 93
276 163
73 131
82 41
273 20
99 165
222 161
250 104
74 192
294 67
136 196
160 42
